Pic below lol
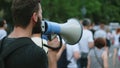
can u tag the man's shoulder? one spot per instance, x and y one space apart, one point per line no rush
88 31
31 47
28 45
100 30
31 54
100 33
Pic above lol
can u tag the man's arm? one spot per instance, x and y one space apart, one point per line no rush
91 44
52 54
90 40
52 60
60 51
76 51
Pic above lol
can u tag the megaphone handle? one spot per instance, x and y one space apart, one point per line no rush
55 48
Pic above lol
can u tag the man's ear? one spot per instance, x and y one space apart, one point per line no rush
35 17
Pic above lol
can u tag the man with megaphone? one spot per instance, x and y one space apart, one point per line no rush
26 14
17 50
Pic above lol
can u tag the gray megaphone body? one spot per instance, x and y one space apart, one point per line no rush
71 31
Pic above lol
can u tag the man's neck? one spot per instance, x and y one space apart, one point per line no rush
1 27
85 27
20 32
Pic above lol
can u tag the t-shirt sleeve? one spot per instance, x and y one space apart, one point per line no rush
90 37
76 48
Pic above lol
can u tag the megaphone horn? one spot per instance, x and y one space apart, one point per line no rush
71 31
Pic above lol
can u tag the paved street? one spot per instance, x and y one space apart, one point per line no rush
110 59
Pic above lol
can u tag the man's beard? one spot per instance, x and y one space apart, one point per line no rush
37 28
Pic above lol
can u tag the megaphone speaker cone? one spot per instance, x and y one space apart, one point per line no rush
71 31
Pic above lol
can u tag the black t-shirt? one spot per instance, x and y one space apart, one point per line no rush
31 56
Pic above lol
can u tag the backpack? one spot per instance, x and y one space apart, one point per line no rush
63 62
4 53
119 39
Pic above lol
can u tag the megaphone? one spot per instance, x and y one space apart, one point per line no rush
71 31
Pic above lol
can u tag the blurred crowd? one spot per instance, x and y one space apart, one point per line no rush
92 51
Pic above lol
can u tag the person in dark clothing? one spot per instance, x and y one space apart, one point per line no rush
30 56
92 29
26 14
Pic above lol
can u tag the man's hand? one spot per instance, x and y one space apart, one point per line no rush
54 42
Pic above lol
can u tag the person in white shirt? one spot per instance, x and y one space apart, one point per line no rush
73 54
68 55
3 32
116 45
38 40
101 31
86 42
36 37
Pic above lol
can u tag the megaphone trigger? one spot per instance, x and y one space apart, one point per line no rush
51 36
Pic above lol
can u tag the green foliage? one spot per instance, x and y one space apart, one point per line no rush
1 13
5 5
61 10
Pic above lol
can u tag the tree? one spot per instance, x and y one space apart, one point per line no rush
5 9
61 10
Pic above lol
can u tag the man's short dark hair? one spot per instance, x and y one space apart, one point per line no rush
22 11
1 22
100 42
86 22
